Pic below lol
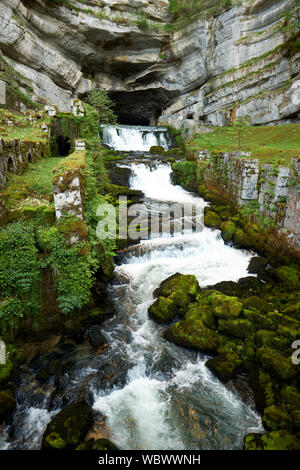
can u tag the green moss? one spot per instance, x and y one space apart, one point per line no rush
184 283
225 366
193 334
276 440
238 328
211 219
287 275
256 303
68 427
274 418
225 307
185 174
227 229
276 364
163 310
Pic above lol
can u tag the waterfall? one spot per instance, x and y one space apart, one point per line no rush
135 138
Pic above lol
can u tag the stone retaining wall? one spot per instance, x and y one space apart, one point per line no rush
15 155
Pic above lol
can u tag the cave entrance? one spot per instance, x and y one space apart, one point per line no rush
10 165
140 108
63 145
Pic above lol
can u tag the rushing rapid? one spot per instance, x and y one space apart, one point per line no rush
135 138
154 394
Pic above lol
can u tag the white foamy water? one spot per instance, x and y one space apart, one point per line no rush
135 138
171 400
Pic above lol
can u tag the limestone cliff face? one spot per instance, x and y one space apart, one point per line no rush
205 74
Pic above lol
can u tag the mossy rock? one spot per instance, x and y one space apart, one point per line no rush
193 334
257 264
211 219
225 366
157 150
183 283
14 357
276 364
290 400
241 239
225 307
264 338
227 229
265 388
238 328
275 440
287 275
292 309
275 418
201 312
256 303
98 444
68 428
7 404
163 310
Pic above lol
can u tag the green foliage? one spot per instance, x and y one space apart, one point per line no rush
72 268
19 274
238 128
100 100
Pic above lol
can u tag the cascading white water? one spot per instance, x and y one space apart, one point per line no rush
135 138
171 400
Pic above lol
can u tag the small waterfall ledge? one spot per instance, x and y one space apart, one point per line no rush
136 138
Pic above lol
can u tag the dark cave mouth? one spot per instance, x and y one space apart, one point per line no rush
140 108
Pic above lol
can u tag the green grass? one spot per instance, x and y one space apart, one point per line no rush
34 186
35 134
267 143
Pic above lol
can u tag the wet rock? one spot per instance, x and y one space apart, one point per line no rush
183 283
257 264
7 405
227 230
275 418
68 428
264 387
238 328
96 338
250 284
287 275
275 440
192 334
163 310
211 219
98 444
227 287
256 303
225 366
225 307
276 364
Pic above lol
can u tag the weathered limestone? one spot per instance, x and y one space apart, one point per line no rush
205 74
68 187
2 92
242 181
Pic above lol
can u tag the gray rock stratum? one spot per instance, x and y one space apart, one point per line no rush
204 74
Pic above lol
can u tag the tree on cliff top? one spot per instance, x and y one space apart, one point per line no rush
100 100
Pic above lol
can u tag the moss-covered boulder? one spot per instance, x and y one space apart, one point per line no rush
157 150
275 418
14 357
276 364
225 366
227 229
240 238
265 388
184 173
163 310
193 334
211 219
225 307
179 283
7 405
257 264
97 444
256 303
68 428
275 440
288 275
290 400
239 328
